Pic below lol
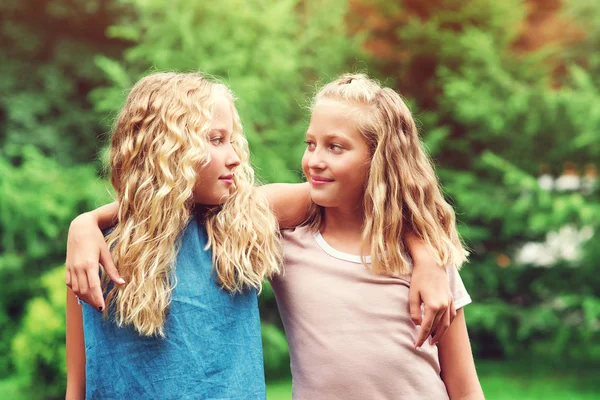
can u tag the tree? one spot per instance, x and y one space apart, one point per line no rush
492 111
269 53
47 71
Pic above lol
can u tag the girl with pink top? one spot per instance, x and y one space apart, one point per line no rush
344 294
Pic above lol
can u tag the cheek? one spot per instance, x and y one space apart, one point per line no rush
305 164
206 179
355 173
203 171
216 163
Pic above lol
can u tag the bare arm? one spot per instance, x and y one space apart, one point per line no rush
430 286
106 216
419 251
86 249
290 202
429 282
75 350
456 361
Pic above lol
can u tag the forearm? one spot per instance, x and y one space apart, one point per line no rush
105 216
456 362
75 350
476 395
289 202
474 392
420 252
75 393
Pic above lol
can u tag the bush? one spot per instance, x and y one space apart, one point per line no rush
39 346
275 351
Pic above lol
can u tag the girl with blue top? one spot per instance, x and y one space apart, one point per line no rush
179 167
193 242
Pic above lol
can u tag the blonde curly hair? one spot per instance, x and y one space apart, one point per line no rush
158 144
402 192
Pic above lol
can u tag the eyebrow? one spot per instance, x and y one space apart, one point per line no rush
333 135
221 131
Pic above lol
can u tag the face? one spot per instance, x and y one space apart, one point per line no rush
337 158
215 179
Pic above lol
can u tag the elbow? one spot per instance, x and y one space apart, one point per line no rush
475 394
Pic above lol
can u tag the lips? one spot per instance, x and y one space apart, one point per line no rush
319 180
228 179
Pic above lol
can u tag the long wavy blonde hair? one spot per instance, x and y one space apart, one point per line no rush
402 192
158 145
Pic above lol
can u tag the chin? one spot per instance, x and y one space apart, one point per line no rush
323 201
212 201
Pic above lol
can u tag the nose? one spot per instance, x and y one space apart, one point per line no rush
233 160
315 160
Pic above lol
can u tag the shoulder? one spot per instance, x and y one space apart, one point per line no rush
457 287
299 245
302 232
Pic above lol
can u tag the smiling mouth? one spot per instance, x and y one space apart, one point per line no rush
319 181
227 178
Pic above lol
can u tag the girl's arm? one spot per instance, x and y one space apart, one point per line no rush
289 202
430 286
429 282
75 350
456 362
86 248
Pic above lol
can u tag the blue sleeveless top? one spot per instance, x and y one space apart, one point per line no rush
212 348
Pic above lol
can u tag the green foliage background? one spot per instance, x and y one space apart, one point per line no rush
494 99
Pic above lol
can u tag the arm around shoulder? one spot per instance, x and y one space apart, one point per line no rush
106 215
86 249
289 202
430 285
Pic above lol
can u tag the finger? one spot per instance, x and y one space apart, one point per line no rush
414 302
74 284
68 278
442 328
109 266
425 327
436 320
96 296
84 289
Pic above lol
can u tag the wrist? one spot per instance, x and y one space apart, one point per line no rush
90 217
426 262
82 220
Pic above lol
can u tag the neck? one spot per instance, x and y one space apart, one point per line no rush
347 220
342 228
202 210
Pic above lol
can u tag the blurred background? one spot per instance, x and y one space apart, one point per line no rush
505 94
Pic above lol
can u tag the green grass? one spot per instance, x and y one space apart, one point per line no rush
513 381
279 390
533 381
500 381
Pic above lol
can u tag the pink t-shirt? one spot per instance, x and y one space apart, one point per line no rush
349 331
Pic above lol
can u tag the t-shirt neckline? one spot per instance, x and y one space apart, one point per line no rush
336 253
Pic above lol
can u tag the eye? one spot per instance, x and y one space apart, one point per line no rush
217 140
336 148
310 145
